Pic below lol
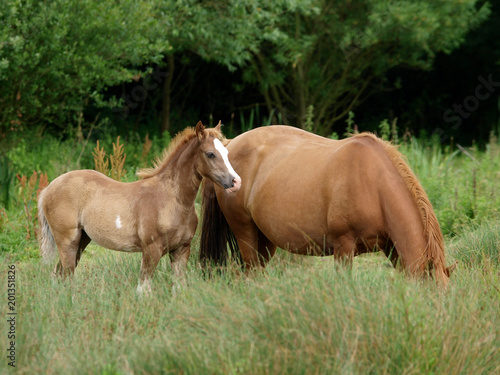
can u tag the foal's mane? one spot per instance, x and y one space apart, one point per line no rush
434 252
175 146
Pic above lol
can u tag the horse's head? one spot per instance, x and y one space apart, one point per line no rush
213 161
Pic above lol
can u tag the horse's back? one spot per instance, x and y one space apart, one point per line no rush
68 188
76 180
301 166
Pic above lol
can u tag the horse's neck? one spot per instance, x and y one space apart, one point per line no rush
180 173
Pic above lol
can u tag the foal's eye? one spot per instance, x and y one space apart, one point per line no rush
210 155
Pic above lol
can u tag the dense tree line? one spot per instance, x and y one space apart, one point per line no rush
160 65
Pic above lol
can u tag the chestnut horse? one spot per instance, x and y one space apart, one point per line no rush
155 215
316 196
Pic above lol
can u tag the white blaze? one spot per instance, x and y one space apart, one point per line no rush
224 152
118 222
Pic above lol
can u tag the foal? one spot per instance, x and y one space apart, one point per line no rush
155 215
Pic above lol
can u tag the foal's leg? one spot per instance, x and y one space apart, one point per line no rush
178 261
151 255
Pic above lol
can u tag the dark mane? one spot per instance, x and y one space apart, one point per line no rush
176 145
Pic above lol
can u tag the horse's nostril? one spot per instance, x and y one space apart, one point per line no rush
234 185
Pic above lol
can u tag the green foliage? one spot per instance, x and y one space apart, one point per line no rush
228 32
309 122
394 131
247 125
385 130
334 136
254 120
6 178
57 56
339 53
349 131
58 59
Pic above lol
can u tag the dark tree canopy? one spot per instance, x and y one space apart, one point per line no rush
152 63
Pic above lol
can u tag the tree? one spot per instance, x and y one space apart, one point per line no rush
229 33
58 56
336 58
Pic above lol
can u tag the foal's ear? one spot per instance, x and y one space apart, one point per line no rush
219 126
200 130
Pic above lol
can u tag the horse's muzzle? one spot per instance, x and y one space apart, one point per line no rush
234 186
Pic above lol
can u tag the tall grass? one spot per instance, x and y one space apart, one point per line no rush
462 185
479 246
296 318
254 119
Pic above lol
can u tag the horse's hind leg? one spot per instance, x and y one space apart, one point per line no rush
68 244
248 242
344 249
84 241
266 249
392 254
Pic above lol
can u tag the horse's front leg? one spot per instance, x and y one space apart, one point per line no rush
178 259
151 255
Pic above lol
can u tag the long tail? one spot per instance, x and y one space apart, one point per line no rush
216 234
434 258
46 240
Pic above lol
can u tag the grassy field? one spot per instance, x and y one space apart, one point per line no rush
302 315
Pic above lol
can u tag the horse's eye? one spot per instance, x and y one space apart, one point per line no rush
210 155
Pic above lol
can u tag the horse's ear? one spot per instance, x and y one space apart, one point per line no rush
219 126
200 130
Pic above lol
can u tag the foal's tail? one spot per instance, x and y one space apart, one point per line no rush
46 240
216 234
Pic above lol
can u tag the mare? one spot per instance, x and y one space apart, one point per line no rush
315 196
154 215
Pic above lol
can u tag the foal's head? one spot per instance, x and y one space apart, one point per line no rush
212 161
